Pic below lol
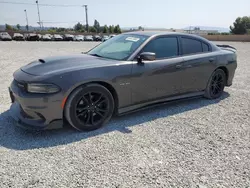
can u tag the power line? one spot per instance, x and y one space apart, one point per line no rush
47 5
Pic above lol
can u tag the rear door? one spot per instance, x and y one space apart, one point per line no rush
199 62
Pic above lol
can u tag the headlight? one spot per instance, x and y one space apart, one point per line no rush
42 88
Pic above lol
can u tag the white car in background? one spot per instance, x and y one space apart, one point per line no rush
79 38
57 37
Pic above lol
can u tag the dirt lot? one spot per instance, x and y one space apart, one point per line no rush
197 143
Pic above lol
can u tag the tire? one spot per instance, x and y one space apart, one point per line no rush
89 107
216 84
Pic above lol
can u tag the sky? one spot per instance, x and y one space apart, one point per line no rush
129 13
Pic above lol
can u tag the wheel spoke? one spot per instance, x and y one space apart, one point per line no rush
84 98
81 108
215 78
82 113
218 88
90 99
100 114
99 98
88 118
100 110
92 118
219 82
100 102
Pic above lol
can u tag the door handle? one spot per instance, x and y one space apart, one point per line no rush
178 66
211 59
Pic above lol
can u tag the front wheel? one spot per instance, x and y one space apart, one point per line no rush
216 84
89 107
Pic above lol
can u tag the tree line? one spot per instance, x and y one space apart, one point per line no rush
80 28
241 25
97 28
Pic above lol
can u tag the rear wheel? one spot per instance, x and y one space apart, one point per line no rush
89 107
216 84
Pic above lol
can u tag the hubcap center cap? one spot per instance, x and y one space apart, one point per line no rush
91 107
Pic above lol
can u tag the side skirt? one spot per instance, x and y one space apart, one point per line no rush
158 102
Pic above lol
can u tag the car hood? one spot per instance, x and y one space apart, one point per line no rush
62 64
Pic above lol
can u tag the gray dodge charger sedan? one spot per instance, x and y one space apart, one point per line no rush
128 72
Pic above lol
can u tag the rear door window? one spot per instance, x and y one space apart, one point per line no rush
205 47
191 46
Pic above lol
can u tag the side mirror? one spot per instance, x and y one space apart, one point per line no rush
147 56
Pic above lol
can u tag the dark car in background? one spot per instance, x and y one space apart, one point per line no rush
4 36
88 38
57 37
32 37
111 36
128 72
68 37
18 37
97 38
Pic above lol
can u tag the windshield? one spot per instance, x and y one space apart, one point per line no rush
119 47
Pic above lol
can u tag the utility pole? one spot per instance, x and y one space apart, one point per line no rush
27 20
86 12
39 15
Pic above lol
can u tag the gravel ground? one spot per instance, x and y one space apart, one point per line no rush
197 143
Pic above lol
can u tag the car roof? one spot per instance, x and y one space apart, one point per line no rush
160 33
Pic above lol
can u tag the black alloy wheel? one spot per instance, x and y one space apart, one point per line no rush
216 84
89 107
92 108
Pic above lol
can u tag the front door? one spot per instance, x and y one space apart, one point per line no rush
161 77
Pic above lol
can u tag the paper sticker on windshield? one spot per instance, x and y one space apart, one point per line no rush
133 39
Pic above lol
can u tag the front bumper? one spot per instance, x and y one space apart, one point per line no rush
16 113
35 112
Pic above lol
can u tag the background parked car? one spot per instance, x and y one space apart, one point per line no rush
25 36
79 38
104 38
39 36
97 38
46 37
111 36
88 38
5 36
33 37
18 37
68 37
57 37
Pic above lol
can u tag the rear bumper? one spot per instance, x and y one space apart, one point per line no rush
231 72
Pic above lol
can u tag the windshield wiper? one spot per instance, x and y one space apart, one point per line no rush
97 55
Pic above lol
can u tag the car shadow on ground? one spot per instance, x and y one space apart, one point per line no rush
13 137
